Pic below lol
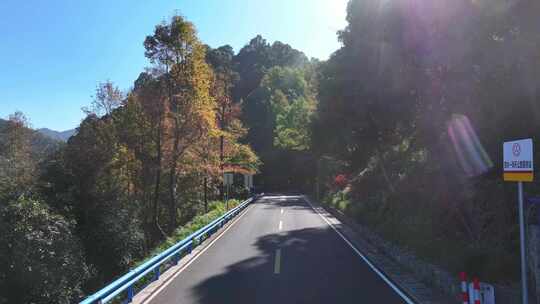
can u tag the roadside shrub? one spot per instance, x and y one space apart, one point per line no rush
340 181
41 261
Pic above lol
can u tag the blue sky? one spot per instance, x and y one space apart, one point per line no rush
53 53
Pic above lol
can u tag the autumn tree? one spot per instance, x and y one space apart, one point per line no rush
150 96
17 162
176 47
107 98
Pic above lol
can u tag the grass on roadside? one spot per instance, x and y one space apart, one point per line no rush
413 231
216 209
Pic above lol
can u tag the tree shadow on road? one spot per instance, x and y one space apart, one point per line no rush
315 267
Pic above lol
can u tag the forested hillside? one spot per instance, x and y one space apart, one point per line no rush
39 144
413 111
277 88
60 136
142 164
135 171
401 128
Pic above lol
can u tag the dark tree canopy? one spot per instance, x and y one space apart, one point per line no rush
400 128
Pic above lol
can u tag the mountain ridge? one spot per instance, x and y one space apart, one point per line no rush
57 135
40 143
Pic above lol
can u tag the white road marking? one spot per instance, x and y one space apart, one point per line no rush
277 262
281 210
377 271
281 197
170 279
280 225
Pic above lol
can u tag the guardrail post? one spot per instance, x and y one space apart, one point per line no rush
176 258
190 247
156 273
129 294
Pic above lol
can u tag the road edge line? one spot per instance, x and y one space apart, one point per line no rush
193 259
371 265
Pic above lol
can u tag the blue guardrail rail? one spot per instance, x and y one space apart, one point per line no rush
173 254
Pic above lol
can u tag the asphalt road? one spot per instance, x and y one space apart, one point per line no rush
280 251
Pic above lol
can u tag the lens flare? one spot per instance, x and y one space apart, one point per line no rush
469 151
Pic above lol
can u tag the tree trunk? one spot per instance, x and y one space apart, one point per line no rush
222 166
155 206
384 172
174 159
172 179
205 195
379 154
172 199
318 179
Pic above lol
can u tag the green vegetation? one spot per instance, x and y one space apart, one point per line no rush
401 129
216 209
35 243
279 98
140 172
413 111
144 165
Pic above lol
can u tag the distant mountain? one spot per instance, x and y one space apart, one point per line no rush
60 136
41 144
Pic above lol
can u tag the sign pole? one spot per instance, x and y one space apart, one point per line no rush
518 167
524 292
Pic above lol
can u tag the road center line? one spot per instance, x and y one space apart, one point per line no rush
281 210
277 262
280 225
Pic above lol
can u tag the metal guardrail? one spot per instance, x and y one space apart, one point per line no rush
126 282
